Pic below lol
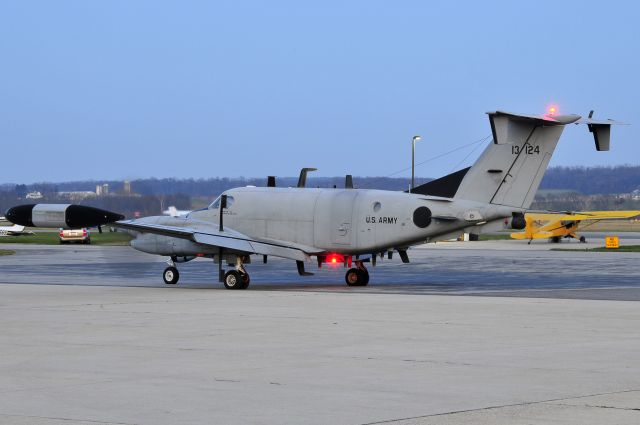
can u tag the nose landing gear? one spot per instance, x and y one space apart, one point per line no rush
171 275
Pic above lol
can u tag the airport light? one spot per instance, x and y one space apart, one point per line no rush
413 160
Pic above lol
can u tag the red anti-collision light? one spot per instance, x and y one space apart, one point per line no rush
334 259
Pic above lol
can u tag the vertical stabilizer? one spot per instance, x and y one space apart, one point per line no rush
510 169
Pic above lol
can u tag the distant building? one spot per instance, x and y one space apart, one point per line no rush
127 187
102 189
77 195
34 195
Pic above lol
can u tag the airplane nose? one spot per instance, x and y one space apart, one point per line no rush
20 215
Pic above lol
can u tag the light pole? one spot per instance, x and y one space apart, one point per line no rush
413 160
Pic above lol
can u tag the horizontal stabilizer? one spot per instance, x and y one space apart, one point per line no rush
601 130
508 127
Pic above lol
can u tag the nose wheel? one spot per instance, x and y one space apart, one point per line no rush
357 276
171 275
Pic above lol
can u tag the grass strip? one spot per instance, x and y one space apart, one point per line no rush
52 238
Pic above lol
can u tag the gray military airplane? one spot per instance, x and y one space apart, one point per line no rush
350 226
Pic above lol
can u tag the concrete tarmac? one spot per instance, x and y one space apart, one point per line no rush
494 268
92 335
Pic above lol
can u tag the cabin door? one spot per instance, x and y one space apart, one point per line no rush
341 212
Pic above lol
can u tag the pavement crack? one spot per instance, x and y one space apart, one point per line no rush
526 403
56 418
614 407
600 407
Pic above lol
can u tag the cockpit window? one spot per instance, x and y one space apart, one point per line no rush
216 204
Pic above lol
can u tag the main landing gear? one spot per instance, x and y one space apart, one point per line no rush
238 278
357 276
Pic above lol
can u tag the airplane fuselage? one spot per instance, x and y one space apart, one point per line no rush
346 221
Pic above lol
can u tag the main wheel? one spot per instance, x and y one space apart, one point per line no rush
245 280
363 277
583 239
352 277
357 277
233 280
171 275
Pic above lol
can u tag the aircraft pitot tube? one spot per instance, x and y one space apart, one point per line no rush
65 216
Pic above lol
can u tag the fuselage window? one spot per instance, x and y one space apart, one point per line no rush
377 206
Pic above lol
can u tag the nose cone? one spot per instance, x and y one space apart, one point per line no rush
20 215
83 216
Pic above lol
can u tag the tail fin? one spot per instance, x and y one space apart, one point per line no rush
510 170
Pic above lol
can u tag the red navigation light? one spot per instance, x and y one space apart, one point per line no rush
334 259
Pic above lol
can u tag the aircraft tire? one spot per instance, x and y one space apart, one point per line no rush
352 277
170 275
357 277
363 277
233 280
246 279
583 239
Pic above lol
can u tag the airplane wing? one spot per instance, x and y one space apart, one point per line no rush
583 215
529 236
603 215
14 230
227 239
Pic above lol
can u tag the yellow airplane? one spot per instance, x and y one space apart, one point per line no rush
555 226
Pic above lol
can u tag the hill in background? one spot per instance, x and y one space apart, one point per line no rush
563 188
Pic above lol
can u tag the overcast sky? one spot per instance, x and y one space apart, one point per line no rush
132 89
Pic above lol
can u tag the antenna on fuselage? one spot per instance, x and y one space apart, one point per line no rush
302 180
271 181
348 182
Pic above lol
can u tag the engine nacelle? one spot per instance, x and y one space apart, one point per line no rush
166 245
518 222
64 216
